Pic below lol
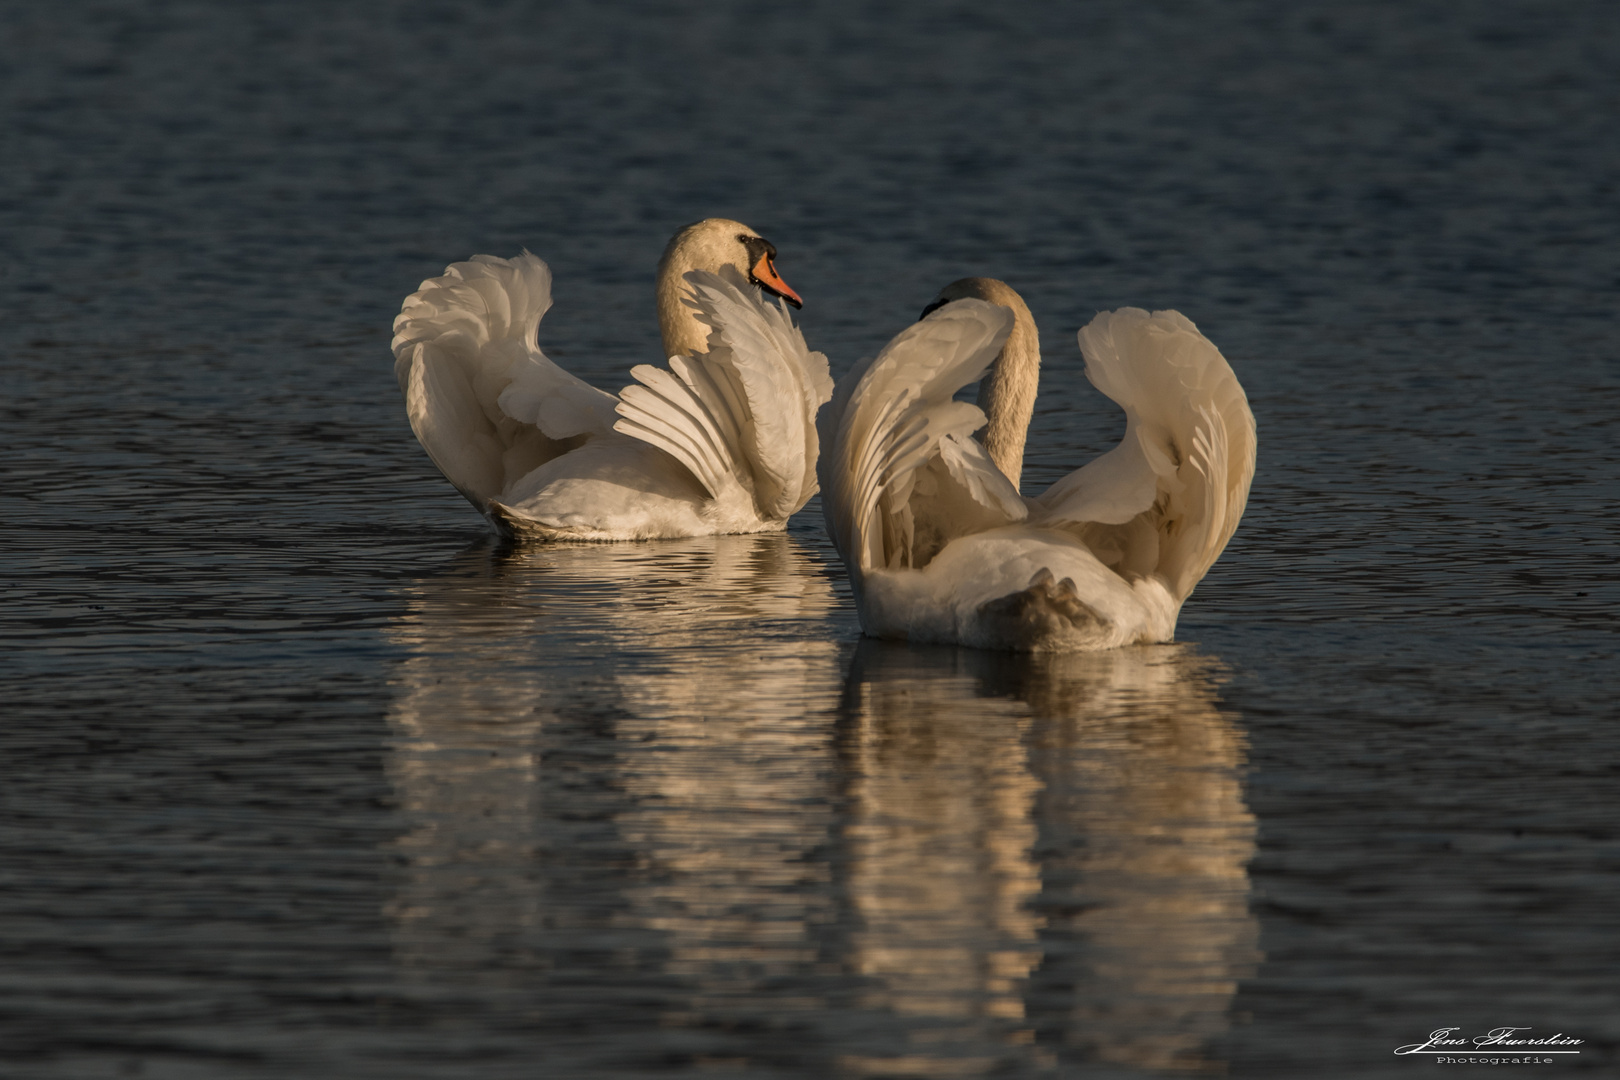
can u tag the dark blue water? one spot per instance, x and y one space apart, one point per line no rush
304 776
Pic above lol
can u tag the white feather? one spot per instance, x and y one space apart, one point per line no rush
886 422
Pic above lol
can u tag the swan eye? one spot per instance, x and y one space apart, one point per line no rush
758 247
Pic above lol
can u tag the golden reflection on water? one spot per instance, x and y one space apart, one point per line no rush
680 674
1048 851
941 862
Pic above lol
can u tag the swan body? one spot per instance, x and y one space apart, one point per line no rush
721 441
940 544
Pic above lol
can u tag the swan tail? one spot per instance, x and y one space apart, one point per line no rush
484 401
887 421
1048 614
1167 499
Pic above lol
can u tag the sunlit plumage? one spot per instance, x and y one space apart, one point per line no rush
722 441
940 544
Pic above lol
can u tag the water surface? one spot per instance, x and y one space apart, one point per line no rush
305 775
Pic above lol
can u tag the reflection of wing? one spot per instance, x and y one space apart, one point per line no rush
1059 837
899 475
742 414
485 402
1168 497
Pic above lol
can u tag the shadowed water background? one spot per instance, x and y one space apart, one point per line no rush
304 776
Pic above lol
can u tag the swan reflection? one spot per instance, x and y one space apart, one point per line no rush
597 743
656 807
1047 857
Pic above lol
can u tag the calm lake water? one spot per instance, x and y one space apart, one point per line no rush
305 776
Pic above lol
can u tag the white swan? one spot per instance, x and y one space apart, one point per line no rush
722 442
939 543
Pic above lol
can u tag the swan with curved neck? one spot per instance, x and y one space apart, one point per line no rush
940 544
723 440
1007 391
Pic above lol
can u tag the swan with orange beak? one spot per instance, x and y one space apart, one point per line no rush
722 440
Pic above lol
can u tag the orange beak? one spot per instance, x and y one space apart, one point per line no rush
765 276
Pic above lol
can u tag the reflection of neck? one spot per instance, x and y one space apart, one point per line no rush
1007 393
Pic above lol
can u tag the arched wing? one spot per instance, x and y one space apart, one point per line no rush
899 460
1167 498
742 413
485 402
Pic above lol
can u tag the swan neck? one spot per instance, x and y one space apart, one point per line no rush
1007 394
714 245
678 324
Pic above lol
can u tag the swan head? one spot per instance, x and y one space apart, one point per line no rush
982 288
715 243
1007 391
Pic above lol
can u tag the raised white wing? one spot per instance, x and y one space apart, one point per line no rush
485 402
741 414
899 461
1167 498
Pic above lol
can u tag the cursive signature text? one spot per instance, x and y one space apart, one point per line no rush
1445 1040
